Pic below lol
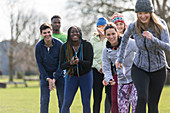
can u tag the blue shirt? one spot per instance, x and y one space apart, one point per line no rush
48 60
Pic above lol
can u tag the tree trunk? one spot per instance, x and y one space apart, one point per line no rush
10 57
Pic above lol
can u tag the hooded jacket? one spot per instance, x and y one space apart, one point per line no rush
85 63
150 55
110 56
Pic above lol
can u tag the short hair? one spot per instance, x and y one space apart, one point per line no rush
45 26
55 16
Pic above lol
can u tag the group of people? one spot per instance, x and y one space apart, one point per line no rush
128 60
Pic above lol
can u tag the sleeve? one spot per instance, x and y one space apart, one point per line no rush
106 66
124 43
40 63
164 42
88 61
133 46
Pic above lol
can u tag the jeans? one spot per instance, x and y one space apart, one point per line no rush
72 83
45 93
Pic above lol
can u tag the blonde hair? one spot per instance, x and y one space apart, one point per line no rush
155 23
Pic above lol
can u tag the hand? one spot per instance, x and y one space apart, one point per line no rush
51 84
104 82
118 65
112 82
147 34
100 31
74 61
101 70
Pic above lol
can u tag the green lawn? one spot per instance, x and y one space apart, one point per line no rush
27 100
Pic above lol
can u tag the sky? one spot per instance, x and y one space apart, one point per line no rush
48 7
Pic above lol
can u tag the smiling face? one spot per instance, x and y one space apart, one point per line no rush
120 26
144 17
74 34
112 36
47 35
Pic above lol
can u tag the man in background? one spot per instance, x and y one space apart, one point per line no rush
56 25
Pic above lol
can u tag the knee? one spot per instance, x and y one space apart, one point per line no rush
86 103
142 99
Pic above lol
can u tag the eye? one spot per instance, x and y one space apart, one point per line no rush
44 32
108 34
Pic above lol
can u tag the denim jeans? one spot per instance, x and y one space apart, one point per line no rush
45 93
72 83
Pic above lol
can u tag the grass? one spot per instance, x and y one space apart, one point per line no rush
27 100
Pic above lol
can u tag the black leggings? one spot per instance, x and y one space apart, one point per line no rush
149 86
97 90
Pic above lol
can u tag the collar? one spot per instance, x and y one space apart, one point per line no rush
53 42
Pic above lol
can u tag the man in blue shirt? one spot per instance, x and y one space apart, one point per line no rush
47 56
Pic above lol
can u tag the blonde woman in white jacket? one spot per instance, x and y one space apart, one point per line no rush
127 93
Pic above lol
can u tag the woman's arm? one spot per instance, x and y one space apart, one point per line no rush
106 66
87 56
124 42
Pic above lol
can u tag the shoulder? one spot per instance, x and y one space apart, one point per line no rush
86 43
94 38
63 34
162 21
39 43
132 25
57 41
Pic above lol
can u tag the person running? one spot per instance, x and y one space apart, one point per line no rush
149 68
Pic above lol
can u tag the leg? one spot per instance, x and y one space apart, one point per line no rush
141 81
45 96
97 90
108 99
86 82
70 89
156 86
133 98
123 97
60 91
114 105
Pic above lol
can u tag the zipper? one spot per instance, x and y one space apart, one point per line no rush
147 52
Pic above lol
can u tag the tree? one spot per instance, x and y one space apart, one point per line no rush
89 10
24 27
